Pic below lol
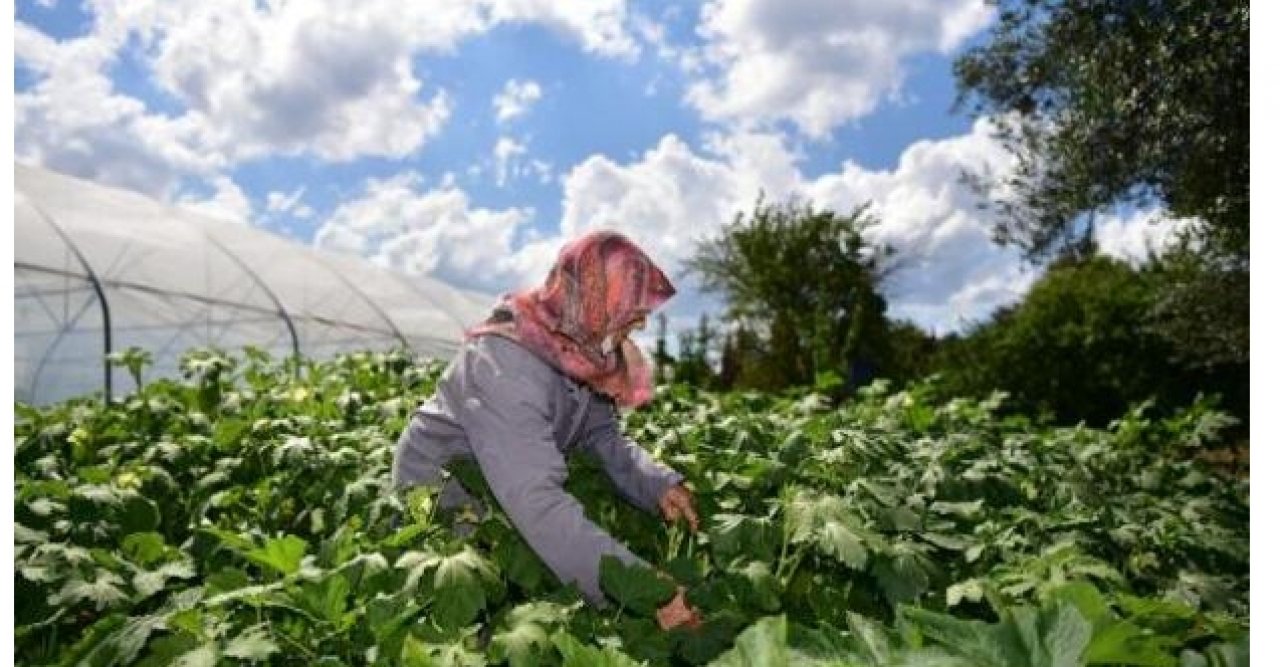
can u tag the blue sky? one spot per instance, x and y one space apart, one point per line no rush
379 132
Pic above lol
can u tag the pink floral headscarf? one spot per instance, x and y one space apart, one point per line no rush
600 283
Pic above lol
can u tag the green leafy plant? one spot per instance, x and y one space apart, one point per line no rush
241 515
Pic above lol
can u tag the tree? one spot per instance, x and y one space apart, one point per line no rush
1078 347
801 283
912 352
1113 101
1106 102
692 364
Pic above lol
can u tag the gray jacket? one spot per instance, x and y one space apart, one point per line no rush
517 417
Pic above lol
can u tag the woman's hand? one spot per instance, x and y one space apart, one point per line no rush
678 501
677 613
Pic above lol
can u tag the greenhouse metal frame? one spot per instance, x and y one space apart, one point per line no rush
99 270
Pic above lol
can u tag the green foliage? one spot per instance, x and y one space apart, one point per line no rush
1114 102
636 587
692 363
1106 101
1078 347
793 322
894 529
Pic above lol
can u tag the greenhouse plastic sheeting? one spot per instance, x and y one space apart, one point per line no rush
98 269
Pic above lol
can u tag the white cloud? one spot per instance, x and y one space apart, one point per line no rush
322 78
333 81
515 100
279 202
675 194
1135 237
227 203
400 223
289 203
72 120
505 152
598 25
952 271
818 63
542 169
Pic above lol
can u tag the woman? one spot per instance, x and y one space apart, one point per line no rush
539 379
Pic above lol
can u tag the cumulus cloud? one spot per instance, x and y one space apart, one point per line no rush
329 79
245 80
598 25
505 152
72 120
818 63
510 162
227 203
289 203
1137 236
515 100
676 194
402 223
951 271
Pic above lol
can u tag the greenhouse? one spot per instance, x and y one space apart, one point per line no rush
98 269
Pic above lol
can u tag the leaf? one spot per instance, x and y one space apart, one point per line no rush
1125 643
253 645
576 654
870 638
234 540
416 562
144 548
764 644
122 645
736 536
519 564
903 574
949 542
458 591
103 592
839 540
416 653
637 587
385 614
715 636
204 656
325 599
1221 654
962 510
1066 636
283 555
761 587
969 590
164 651
1057 636
525 638
902 519
149 582
226 579
24 535
1114 641
987 645
138 515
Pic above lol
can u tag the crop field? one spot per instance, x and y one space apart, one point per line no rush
242 515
